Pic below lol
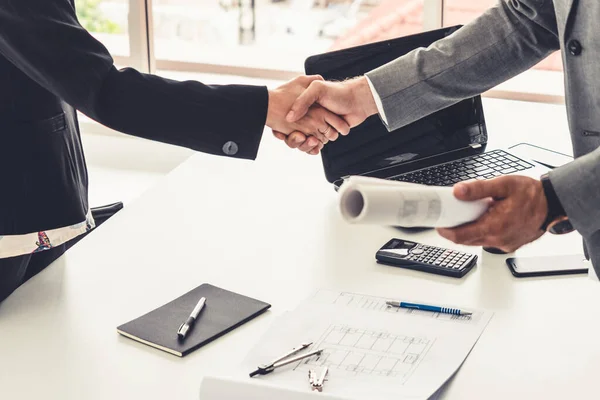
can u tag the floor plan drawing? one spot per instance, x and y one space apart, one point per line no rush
355 352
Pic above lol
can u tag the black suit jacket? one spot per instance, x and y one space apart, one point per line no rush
49 67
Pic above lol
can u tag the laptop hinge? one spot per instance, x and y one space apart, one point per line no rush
475 145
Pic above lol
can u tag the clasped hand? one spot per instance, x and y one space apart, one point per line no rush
308 112
317 126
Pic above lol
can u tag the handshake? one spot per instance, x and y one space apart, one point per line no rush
308 112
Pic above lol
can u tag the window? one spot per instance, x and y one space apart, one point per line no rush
107 21
121 26
272 34
270 39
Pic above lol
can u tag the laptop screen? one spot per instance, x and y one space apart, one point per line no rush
370 146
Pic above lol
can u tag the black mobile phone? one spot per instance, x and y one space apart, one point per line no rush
523 267
421 257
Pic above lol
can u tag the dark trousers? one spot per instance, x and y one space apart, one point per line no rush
15 271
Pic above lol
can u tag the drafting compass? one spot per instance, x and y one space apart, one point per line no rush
285 359
316 381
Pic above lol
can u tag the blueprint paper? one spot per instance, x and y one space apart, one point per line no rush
372 351
364 200
231 388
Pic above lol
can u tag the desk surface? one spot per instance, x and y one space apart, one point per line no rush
270 229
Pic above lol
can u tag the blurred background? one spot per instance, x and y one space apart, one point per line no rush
271 34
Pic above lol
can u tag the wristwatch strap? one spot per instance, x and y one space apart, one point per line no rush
555 208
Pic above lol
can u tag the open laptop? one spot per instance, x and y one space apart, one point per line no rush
441 149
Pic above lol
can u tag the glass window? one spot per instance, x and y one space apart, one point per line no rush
274 34
107 21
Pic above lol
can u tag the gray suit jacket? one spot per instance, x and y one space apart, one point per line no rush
506 40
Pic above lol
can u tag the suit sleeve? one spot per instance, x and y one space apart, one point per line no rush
44 40
578 189
506 40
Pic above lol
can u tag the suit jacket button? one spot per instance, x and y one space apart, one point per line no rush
230 148
590 133
574 47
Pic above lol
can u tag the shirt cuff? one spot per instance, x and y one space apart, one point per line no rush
378 101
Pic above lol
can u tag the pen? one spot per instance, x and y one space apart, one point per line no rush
425 307
187 325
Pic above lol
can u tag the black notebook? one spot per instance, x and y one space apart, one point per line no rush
223 312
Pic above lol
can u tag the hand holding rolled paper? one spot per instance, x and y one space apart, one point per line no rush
383 202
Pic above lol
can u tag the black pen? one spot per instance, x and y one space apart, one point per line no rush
187 325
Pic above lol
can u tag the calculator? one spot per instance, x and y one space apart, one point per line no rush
421 257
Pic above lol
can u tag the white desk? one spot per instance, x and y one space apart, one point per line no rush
270 229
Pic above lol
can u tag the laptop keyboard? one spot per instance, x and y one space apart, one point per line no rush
480 166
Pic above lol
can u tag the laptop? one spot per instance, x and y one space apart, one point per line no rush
441 149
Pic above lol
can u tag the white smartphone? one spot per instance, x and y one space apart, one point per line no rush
549 158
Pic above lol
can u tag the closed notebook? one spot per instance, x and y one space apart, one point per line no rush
223 312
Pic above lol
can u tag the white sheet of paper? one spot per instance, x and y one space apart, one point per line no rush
372 351
364 200
219 388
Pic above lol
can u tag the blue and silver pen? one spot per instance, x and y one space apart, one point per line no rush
424 307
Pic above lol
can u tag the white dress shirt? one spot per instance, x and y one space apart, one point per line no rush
378 101
17 245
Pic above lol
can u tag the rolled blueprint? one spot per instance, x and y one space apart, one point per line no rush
383 202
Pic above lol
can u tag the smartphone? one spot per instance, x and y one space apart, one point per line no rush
549 158
522 267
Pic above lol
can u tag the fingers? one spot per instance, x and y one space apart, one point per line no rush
316 150
324 122
322 135
331 133
338 124
279 135
475 190
513 218
495 229
309 144
473 232
306 80
309 97
314 124
295 139
328 122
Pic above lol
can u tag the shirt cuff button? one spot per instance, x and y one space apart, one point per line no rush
230 148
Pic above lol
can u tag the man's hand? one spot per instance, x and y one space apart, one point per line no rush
318 122
517 212
352 100
297 140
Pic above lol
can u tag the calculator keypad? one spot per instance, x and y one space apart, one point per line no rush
439 257
417 256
